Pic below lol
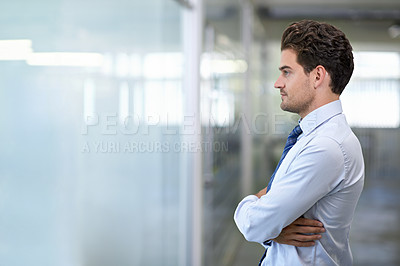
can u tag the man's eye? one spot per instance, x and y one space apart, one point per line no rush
285 73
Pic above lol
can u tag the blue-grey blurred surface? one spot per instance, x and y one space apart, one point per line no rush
96 150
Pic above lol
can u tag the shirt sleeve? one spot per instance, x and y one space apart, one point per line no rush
317 170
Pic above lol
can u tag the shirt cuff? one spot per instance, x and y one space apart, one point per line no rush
267 243
250 198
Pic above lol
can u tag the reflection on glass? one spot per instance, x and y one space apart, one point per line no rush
123 102
82 182
15 49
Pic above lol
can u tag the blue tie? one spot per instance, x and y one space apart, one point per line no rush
291 140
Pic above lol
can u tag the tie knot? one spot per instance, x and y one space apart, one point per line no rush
295 132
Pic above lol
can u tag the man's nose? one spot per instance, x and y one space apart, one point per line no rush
279 83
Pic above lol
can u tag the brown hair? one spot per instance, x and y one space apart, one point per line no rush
317 43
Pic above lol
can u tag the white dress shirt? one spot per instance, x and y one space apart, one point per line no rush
321 177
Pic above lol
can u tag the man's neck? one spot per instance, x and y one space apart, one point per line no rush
318 103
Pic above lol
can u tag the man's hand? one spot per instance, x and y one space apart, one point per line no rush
294 234
262 192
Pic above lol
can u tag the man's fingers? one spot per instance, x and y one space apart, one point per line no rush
301 244
308 229
305 238
301 233
308 222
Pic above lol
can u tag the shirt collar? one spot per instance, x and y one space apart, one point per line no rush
320 115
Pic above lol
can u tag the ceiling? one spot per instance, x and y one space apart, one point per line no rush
363 21
336 3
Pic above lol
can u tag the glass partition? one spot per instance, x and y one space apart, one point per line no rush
92 164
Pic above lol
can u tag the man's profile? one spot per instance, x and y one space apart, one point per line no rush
303 216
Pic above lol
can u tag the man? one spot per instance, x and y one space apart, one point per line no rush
303 216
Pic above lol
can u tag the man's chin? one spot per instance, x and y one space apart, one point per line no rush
287 108
284 106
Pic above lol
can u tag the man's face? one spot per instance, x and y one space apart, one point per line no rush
296 91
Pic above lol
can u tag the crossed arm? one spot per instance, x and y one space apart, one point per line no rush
262 216
295 233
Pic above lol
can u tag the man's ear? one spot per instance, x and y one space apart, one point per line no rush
320 76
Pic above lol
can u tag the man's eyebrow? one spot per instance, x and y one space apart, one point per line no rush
284 67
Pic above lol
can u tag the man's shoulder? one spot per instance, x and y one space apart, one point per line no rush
330 138
335 129
336 138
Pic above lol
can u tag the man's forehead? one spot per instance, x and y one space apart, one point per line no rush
288 59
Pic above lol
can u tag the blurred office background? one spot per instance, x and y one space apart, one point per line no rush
131 129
